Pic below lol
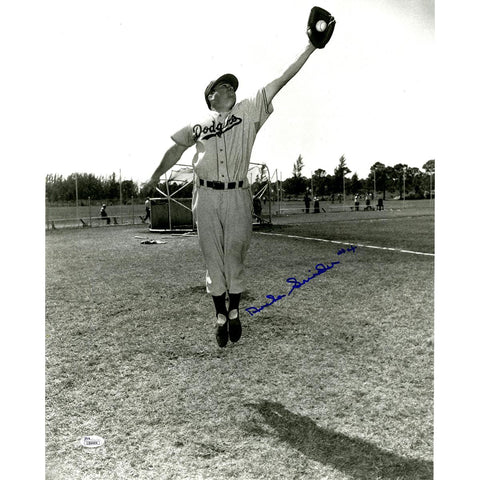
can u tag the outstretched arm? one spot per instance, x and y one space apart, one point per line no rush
276 85
171 157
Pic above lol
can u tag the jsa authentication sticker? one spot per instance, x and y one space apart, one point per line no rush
92 441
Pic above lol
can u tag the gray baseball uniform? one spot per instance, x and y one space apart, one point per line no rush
222 200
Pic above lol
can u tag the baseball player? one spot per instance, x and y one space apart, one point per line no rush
222 200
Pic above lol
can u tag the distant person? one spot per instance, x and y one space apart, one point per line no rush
306 199
148 207
367 202
380 204
316 205
104 214
357 202
257 209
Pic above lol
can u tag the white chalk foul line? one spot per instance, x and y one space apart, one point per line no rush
347 243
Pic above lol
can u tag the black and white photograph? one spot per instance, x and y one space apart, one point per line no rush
238 236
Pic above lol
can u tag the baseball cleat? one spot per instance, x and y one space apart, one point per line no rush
221 330
234 325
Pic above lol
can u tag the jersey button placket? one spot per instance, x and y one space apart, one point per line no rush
222 159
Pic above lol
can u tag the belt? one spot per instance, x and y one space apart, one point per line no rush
221 185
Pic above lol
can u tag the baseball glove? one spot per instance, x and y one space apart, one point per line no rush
320 27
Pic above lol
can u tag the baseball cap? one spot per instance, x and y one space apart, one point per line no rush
227 78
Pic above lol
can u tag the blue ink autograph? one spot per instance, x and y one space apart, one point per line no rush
351 248
320 268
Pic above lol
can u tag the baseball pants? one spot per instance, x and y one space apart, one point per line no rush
224 225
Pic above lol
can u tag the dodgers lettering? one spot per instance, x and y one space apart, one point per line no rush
215 129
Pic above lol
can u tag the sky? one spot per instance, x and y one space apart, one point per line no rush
113 80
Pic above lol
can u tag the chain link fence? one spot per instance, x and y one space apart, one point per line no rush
86 213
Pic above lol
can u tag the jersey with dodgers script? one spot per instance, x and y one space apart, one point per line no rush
224 141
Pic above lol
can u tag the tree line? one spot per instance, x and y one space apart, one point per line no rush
59 189
382 178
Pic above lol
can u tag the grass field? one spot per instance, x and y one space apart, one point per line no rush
334 381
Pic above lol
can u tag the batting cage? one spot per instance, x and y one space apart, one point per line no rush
172 210
262 192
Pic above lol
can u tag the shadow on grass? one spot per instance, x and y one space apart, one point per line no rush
353 456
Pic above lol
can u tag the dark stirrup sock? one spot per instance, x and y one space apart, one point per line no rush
219 302
234 301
